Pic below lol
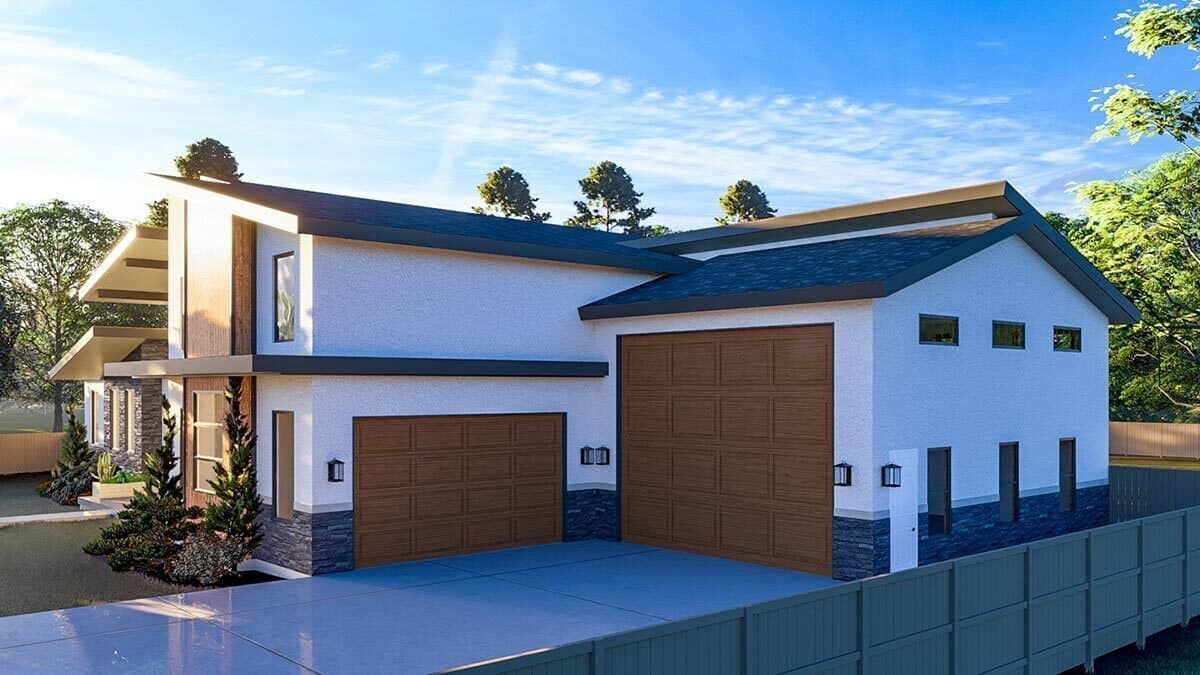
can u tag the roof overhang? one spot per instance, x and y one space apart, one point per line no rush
85 360
267 364
134 271
998 199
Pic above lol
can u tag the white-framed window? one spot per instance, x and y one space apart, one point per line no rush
130 420
285 297
209 443
94 418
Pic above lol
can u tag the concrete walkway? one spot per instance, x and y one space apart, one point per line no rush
409 618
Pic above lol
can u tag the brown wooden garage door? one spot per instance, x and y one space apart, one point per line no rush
726 442
431 486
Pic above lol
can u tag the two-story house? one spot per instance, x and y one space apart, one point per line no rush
844 391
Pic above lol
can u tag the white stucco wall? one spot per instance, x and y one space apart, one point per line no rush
295 394
973 397
89 388
272 241
388 300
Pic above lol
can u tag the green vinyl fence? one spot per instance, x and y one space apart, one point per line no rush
1136 492
1042 607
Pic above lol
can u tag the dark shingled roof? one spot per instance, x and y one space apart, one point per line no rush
390 222
844 269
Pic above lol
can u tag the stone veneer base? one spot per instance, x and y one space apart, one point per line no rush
312 543
591 514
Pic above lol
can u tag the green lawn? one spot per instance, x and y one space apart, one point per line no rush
19 497
18 420
43 567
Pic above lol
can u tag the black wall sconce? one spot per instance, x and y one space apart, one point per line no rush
841 474
590 455
337 470
890 475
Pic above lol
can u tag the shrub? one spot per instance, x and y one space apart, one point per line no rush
234 514
159 469
105 467
73 472
205 559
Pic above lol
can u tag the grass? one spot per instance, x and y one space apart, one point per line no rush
19 421
19 497
43 567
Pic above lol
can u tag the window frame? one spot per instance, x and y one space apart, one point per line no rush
196 456
130 420
943 317
1021 324
275 296
1068 482
114 419
1013 488
1054 342
946 522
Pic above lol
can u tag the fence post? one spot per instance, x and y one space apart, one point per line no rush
862 629
1089 663
954 616
1028 610
749 664
1141 544
1185 611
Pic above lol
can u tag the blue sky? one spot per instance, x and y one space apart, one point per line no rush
819 103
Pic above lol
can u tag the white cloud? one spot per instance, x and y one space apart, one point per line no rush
384 61
433 68
584 77
292 72
545 69
278 91
335 51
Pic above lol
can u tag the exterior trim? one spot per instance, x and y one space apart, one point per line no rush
96 336
268 364
789 296
153 297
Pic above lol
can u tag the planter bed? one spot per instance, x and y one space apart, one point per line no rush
115 490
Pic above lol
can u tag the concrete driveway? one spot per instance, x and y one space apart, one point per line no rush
407 618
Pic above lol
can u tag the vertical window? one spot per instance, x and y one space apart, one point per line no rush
94 419
1067 339
283 462
209 442
1066 474
285 297
1010 487
113 419
938 484
1008 335
939 330
130 420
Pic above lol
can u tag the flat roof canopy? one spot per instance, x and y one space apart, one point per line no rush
270 364
100 345
134 271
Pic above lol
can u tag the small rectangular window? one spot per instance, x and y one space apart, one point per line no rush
209 442
1008 335
130 420
284 462
1066 474
938 486
285 297
939 330
1067 339
1010 487
94 419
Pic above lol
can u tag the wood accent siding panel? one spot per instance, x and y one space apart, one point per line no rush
187 466
208 284
431 486
243 293
727 443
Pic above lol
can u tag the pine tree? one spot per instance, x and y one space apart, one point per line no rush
235 512
159 465
73 472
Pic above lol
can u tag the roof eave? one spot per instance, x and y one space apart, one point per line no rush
792 296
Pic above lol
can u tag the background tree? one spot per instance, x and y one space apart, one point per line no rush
610 201
1138 113
505 193
206 157
10 326
50 250
743 201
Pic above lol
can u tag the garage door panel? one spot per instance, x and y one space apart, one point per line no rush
760 489
467 483
694 470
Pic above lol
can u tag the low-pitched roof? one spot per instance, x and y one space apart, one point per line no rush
134 271
331 215
852 268
100 345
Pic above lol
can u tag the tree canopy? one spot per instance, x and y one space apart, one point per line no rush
743 201
51 249
209 158
505 193
610 201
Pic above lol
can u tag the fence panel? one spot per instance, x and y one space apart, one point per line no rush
1138 492
1042 607
29 453
1154 439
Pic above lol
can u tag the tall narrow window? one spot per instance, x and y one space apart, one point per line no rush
113 419
1010 486
285 297
938 485
283 461
1067 339
1008 335
130 420
94 419
208 436
1066 474
939 330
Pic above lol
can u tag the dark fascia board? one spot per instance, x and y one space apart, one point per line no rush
662 263
789 296
270 364
955 254
1063 257
999 202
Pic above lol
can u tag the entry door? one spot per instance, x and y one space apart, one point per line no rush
902 503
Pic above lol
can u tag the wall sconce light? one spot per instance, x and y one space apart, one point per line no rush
590 455
337 470
841 474
890 475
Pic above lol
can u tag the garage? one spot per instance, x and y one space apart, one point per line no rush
727 443
434 486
